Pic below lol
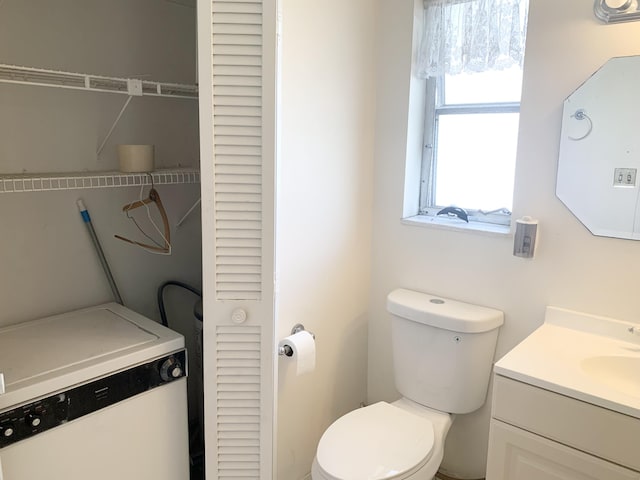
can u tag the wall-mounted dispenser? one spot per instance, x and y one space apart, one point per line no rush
524 241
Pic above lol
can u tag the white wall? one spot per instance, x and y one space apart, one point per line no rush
324 216
571 269
48 263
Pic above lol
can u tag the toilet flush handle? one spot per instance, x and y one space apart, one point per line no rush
634 330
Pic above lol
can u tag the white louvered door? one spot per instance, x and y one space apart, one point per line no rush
237 46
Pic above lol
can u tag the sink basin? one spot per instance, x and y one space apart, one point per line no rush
587 357
619 372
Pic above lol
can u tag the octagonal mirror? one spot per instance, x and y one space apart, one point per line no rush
600 150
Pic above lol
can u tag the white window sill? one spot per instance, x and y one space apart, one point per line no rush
454 224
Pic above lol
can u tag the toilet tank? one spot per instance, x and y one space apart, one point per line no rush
442 350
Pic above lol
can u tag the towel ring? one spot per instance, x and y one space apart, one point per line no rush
582 115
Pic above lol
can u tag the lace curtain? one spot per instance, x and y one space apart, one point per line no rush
471 36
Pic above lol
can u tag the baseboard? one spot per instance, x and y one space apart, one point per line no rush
442 476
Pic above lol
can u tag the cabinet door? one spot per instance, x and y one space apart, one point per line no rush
516 454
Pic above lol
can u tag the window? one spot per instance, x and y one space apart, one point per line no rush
471 56
471 132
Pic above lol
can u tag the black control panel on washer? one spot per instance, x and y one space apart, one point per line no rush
38 416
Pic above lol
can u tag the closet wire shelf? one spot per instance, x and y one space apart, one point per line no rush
85 180
79 81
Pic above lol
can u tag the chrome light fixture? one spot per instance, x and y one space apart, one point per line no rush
615 11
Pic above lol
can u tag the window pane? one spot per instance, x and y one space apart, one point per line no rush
484 87
476 160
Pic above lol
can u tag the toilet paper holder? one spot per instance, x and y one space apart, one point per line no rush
286 350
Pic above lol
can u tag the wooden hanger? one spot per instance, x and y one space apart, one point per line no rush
154 197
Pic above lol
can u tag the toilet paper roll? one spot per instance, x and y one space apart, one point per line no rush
303 346
136 158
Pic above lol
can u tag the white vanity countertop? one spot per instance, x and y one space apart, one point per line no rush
590 358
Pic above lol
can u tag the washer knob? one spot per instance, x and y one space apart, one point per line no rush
7 430
33 420
170 369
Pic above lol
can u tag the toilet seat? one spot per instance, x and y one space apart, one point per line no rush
378 442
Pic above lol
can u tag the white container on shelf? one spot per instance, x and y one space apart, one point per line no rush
136 158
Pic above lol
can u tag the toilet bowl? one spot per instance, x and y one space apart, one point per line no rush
391 441
442 356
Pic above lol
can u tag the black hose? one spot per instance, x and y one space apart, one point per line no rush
163 313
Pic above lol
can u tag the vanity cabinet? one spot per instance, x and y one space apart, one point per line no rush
537 434
516 454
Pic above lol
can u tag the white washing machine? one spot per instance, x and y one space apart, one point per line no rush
96 394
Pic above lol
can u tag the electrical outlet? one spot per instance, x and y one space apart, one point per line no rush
624 177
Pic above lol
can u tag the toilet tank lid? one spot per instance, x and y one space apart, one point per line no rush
443 312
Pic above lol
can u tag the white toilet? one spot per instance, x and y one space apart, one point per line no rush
442 354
